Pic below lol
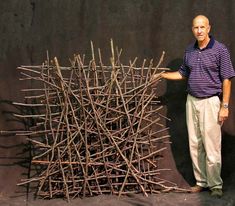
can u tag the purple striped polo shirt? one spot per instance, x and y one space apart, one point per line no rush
206 68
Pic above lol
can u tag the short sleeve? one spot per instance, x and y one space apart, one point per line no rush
183 69
226 67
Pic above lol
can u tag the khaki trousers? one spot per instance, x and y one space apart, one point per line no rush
204 133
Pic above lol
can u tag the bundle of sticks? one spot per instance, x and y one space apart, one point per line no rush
95 129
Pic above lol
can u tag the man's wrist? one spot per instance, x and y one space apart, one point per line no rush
224 105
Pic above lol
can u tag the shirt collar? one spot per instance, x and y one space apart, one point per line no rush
209 45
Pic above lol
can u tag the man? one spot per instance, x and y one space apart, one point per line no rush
208 70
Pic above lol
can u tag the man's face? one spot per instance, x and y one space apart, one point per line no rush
201 28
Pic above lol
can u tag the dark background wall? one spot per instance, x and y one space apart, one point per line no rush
143 29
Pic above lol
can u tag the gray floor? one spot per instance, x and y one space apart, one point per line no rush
164 199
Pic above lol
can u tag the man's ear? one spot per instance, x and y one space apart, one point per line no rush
209 28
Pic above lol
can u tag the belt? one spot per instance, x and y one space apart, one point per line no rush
206 97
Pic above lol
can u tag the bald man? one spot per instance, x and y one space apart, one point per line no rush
208 70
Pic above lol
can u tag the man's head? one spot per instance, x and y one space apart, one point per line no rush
201 28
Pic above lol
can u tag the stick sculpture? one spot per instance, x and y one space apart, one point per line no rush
95 129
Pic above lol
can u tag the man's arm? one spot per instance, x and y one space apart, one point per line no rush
224 111
172 75
169 75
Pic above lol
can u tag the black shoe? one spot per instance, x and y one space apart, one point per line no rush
218 193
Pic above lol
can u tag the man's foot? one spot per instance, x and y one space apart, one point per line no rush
197 189
218 193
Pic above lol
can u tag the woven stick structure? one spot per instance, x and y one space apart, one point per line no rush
96 129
